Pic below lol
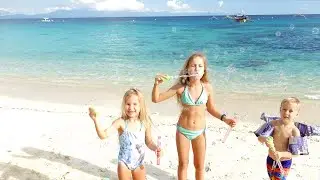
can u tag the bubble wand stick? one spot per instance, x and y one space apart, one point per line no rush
179 76
272 148
159 146
229 131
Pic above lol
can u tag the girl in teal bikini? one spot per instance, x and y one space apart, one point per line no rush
195 95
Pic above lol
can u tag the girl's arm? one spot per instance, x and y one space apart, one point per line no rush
214 112
148 140
104 133
158 97
210 104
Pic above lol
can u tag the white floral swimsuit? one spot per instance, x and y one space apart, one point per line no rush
132 147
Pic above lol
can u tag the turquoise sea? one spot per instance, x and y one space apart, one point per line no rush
271 55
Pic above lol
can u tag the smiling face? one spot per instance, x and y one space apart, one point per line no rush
132 106
289 111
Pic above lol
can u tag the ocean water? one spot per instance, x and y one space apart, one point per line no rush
269 55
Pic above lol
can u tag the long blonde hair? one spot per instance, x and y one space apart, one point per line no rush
184 71
143 115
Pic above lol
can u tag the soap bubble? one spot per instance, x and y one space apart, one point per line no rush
278 33
291 27
315 30
174 29
231 68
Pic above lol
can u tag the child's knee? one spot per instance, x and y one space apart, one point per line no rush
184 164
199 167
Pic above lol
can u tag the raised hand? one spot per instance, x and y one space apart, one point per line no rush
92 113
160 78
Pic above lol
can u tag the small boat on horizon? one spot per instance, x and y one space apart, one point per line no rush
46 20
239 18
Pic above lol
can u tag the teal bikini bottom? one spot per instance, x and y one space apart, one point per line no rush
189 133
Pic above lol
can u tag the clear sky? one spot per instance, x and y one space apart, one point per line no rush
149 6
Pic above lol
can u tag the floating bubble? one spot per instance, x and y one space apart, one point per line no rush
242 49
255 77
244 76
315 30
282 76
213 18
291 27
278 33
231 69
174 29
181 56
114 37
220 3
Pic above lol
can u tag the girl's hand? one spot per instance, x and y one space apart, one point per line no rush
92 113
160 78
159 152
231 122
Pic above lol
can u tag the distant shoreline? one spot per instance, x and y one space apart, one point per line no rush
40 16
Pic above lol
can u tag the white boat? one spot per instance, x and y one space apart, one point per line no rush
46 20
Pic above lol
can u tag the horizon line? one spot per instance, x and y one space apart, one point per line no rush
191 15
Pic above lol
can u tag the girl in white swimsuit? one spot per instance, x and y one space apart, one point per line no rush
134 130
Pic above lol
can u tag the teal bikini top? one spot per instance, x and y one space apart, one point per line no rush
187 99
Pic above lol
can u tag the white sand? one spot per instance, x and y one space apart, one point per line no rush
42 140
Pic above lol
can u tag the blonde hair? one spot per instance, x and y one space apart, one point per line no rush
185 80
293 100
143 115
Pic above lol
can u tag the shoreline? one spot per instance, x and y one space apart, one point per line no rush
109 96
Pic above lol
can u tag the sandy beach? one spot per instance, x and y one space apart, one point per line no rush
46 134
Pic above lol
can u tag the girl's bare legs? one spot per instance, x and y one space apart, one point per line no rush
139 173
183 146
199 152
123 172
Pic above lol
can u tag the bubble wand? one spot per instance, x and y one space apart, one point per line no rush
269 141
228 131
167 77
159 146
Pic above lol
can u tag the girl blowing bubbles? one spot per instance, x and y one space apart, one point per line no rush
195 95
134 130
